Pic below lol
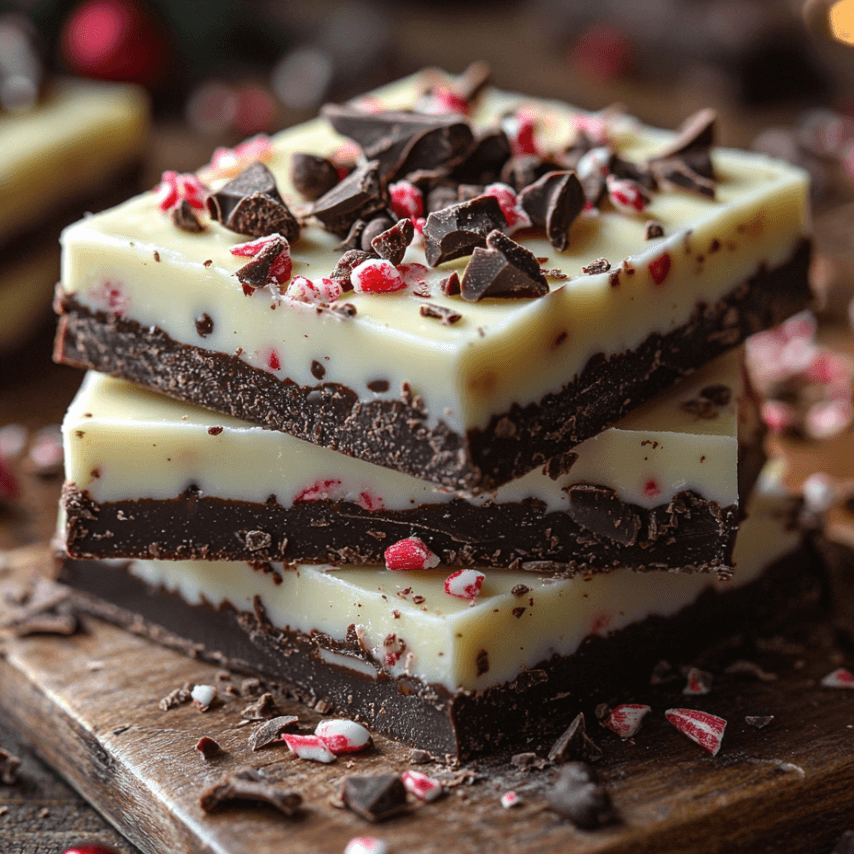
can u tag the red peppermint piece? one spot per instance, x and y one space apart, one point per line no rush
175 187
625 195
314 291
510 799
651 489
366 845
705 729
319 490
280 270
392 649
597 161
407 201
343 736
659 268
203 696
411 553
839 678
90 849
376 276
414 275
521 130
698 682
9 489
227 162
464 584
423 787
508 201
274 363
309 747
626 720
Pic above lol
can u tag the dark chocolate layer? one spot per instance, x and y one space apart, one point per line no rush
687 534
394 433
542 699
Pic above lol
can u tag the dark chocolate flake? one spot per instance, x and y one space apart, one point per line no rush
248 785
184 217
560 465
356 197
652 229
204 325
482 662
758 721
447 315
450 285
318 371
696 133
600 265
271 732
391 244
456 231
312 176
208 747
577 794
374 798
599 510
575 744
503 269
679 175
553 202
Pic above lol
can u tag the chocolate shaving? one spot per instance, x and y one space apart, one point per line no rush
599 510
260 710
184 217
176 698
256 273
271 732
575 744
600 265
652 229
250 204
679 175
9 765
209 748
358 196
553 202
346 264
696 133
374 798
447 315
503 269
577 794
521 170
708 402
391 244
248 785
486 160
456 231
312 176
758 721
450 285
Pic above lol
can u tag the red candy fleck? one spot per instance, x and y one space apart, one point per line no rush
90 849
376 276
414 275
510 799
651 489
321 489
464 584
423 787
407 200
319 291
273 361
625 195
9 489
280 270
393 649
343 736
840 678
411 553
659 268
309 747
600 623
175 187
366 845
626 720
369 501
109 297
508 201
705 729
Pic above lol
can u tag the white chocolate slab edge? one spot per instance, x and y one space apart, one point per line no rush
123 442
502 351
443 635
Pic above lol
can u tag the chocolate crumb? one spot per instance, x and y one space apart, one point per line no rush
9 765
560 465
575 744
176 698
271 732
758 721
374 798
317 370
378 386
520 589
204 325
517 612
447 315
248 785
652 229
419 757
262 708
482 662
577 794
208 262
528 760
208 747
450 285
256 541
214 431
251 687
600 265
156 256
184 217
614 278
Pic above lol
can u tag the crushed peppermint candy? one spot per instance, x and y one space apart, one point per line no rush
366 845
839 678
626 195
309 747
423 787
705 729
510 206
343 736
280 269
411 553
626 719
521 131
175 187
464 584
376 276
316 291
407 201
510 799
698 682
203 696
597 161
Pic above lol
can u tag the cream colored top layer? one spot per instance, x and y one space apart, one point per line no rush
439 637
502 351
124 443
63 148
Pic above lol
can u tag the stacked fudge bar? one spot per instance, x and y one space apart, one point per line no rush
436 411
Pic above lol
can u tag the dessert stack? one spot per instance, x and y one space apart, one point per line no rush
431 409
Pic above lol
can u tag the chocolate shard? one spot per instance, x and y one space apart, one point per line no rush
271 732
686 163
696 133
577 794
456 231
484 162
248 785
209 748
250 204
356 197
447 315
261 709
575 744
373 228
553 202
523 169
391 244
640 173
346 264
312 176
600 511
184 217
680 175
503 269
9 765
374 798
256 273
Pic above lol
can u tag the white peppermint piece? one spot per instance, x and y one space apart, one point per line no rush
626 720
309 747
510 799
839 678
343 736
423 787
203 696
366 845
465 584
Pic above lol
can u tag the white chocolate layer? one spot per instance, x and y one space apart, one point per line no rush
125 443
409 624
502 351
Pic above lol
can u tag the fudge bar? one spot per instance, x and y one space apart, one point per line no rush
436 344
151 477
77 149
447 674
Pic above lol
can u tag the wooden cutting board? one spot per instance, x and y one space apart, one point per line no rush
89 703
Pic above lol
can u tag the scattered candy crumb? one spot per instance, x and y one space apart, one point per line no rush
510 799
309 747
411 553
423 787
465 584
343 736
203 696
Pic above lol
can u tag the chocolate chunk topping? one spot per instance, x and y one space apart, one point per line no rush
578 795
208 747
640 173
353 240
260 710
524 169
686 163
204 325
653 229
718 393
600 265
560 465
271 732
356 197
484 163
553 202
391 244
346 264
184 217
378 386
447 315
440 197
575 744
9 765
482 662
450 285
696 133
250 204
256 273
456 231
503 269
374 798
312 176
678 175
375 227
600 511
520 589
248 785
317 370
